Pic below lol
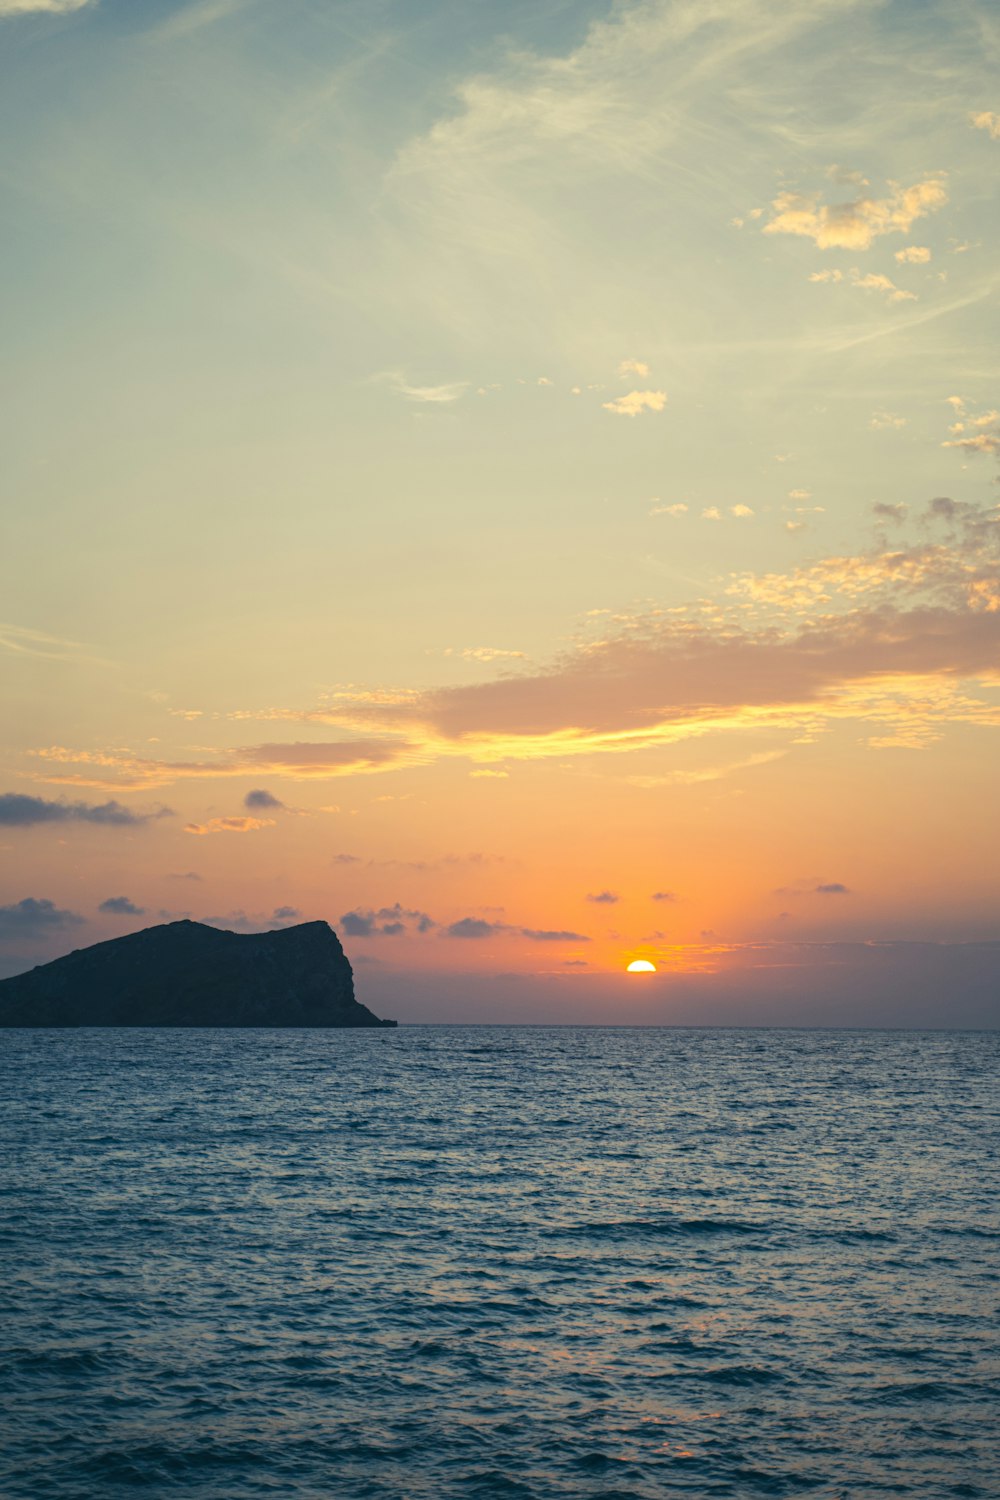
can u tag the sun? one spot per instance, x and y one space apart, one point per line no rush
641 966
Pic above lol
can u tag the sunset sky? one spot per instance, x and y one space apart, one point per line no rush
515 479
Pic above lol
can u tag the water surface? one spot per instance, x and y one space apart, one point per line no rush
526 1262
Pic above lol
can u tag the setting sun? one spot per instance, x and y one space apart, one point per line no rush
641 966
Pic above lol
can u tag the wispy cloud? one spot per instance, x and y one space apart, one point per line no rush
229 825
433 395
42 7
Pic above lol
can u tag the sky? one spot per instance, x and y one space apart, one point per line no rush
514 479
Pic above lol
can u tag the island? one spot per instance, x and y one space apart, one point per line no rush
188 974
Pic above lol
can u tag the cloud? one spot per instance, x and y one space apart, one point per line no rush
637 402
854 225
242 921
874 281
262 798
432 395
889 632
986 120
34 917
121 906
228 825
883 419
679 509
633 367
39 7
477 928
387 921
542 935
904 637
895 513
605 898
20 811
814 888
913 255
711 513
664 896
301 760
487 654
184 875
740 511
19 640
472 927
974 434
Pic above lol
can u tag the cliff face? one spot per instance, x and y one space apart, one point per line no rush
185 974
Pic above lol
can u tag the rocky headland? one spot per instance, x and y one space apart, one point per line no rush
187 974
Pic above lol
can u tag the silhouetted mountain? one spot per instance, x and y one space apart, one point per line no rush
186 974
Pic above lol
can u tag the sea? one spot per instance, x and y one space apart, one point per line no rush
468 1261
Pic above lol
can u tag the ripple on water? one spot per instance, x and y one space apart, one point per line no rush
527 1262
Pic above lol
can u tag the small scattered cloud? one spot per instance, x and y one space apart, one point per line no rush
346 859
664 896
913 255
855 225
472 927
895 513
874 281
633 367
814 888
800 494
678 509
846 176
605 898
20 811
636 402
387 921
543 935
228 825
485 774
974 434
711 513
988 120
740 511
286 913
881 420
486 654
34 917
183 875
121 906
260 798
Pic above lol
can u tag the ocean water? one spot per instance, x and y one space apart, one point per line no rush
525 1262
